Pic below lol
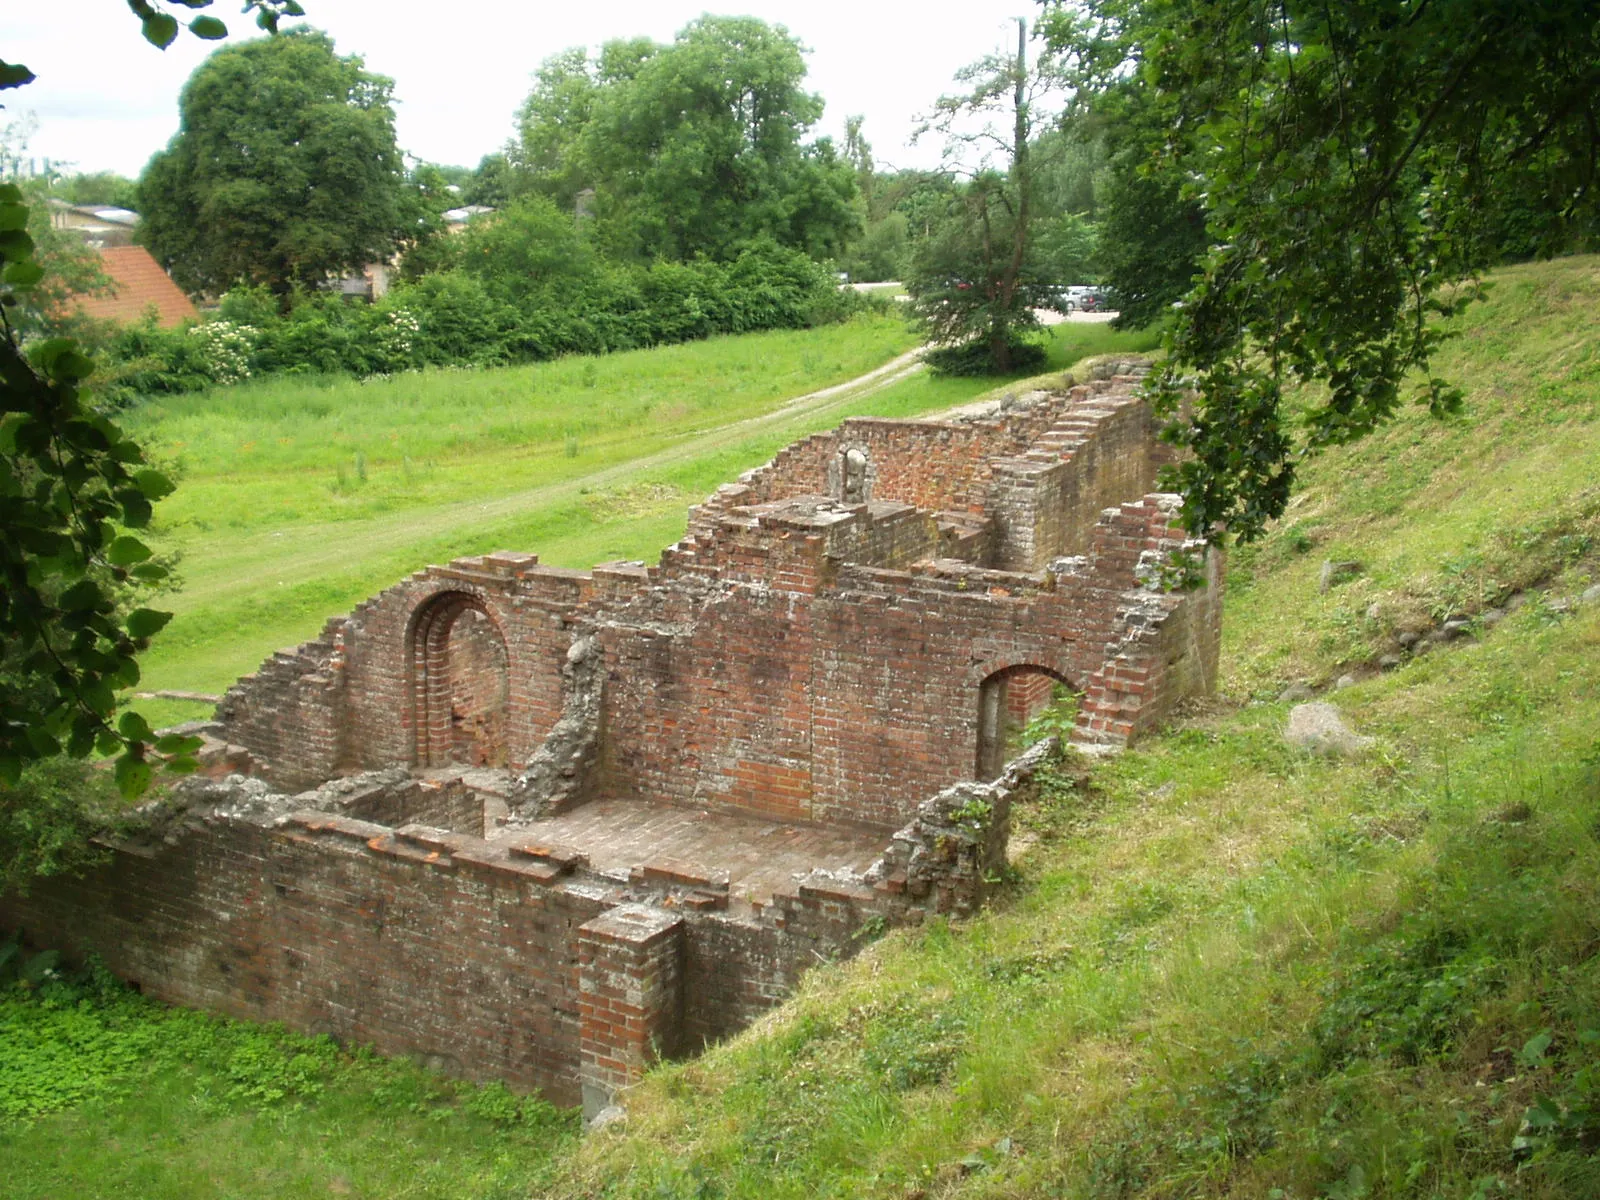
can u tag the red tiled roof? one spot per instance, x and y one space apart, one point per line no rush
139 282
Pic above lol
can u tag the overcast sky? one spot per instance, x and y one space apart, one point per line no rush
106 100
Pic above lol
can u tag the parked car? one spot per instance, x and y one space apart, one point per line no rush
1079 297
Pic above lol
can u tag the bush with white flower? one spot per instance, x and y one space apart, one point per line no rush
226 348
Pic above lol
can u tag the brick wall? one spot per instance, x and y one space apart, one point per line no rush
490 959
794 656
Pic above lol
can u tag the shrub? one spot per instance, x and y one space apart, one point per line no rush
974 358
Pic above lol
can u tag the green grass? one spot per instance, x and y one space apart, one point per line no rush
1228 968
105 1094
299 498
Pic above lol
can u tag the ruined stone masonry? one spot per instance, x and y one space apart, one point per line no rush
547 825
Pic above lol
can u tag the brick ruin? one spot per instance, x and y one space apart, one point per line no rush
546 825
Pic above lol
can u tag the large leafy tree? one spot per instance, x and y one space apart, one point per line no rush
696 147
284 170
1357 164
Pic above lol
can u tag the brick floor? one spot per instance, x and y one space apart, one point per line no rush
758 856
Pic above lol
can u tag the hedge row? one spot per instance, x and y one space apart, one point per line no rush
457 317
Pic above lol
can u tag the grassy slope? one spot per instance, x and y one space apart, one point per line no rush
1231 969
583 460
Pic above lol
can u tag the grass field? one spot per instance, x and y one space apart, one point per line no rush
300 497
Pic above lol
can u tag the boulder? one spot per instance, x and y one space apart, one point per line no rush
1335 573
1320 729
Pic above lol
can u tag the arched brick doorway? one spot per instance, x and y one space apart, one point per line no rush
1007 700
460 683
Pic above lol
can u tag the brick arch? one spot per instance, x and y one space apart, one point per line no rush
458 682
1001 703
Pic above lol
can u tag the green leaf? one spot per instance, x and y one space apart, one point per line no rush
154 484
208 28
1532 1053
14 75
16 245
159 30
147 622
133 776
177 743
13 215
24 274
149 572
83 596
126 551
135 508
134 727
71 366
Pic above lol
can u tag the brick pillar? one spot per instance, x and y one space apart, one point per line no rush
630 997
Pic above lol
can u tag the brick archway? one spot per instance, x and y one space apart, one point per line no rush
1007 698
459 684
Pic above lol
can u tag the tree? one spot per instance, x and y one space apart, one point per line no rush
551 125
977 275
1351 161
692 148
284 170
101 187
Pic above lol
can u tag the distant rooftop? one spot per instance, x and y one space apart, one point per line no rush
138 283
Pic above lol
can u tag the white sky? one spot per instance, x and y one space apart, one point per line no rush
105 99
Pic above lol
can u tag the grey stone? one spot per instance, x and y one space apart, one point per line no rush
611 1114
1408 639
1590 595
1374 611
1490 617
1295 692
1455 627
1335 573
1320 729
1344 681
1388 662
556 776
